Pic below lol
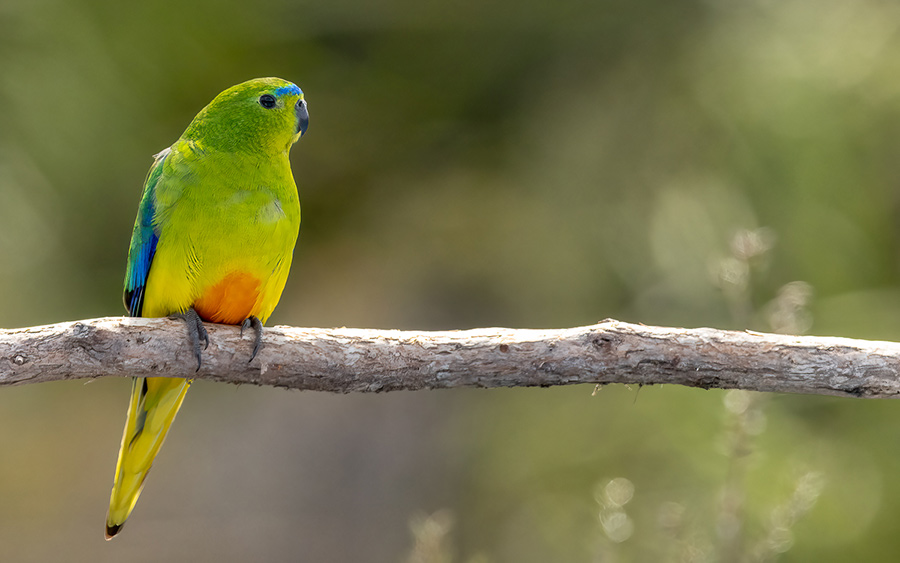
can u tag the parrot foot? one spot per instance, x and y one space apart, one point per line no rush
196 332
257 326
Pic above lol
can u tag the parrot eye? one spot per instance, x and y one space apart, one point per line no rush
267 101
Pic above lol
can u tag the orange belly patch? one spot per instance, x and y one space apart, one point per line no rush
231 300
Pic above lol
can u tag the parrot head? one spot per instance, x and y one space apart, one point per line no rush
265 115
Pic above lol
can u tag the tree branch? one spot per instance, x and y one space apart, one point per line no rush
347 360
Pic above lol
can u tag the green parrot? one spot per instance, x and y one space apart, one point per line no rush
213 240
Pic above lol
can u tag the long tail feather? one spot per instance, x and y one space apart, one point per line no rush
154 403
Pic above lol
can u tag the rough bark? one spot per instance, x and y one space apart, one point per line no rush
345 360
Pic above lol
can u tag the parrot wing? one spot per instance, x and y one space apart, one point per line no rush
144 238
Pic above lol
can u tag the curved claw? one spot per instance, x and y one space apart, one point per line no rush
256 324
196 332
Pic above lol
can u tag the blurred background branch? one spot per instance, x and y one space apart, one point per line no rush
366 360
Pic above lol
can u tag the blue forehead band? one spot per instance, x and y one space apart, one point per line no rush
292 89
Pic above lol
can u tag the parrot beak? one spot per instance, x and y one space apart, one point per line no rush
302 117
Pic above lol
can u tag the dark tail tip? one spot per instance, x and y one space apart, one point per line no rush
112 530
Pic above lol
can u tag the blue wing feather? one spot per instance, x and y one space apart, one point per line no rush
144 239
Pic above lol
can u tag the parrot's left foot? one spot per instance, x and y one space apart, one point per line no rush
196 332
256 325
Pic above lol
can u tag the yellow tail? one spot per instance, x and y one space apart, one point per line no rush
154 404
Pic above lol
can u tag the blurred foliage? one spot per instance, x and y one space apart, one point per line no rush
529 164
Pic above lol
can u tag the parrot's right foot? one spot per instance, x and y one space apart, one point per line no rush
196 332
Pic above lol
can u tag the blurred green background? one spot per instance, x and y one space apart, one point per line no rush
526 164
